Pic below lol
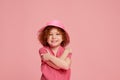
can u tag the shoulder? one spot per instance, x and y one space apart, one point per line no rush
42 50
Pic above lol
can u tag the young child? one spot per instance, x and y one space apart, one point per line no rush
56 59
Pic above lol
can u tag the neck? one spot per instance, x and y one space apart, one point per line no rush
55 49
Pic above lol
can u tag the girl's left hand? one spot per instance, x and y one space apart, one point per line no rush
46 56
68 50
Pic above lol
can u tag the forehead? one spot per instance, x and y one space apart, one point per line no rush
55 30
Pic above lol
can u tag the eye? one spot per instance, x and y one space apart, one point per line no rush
57 34
50 34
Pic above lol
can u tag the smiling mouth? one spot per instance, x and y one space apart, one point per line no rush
53 41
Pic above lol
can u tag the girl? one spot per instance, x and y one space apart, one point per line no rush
56 60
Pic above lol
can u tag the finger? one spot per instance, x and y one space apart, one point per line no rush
47 51
70 50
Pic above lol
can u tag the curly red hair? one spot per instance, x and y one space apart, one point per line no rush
43 35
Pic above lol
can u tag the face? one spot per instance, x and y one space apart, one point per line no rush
54 38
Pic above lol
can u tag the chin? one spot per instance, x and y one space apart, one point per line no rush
55 46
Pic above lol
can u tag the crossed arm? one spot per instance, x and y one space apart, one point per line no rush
63 62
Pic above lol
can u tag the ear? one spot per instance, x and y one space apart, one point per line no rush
62 43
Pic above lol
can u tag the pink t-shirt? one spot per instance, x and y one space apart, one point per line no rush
49 73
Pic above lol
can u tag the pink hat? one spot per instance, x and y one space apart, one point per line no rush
56 23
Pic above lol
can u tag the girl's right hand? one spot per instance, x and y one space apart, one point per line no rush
68 50
46 57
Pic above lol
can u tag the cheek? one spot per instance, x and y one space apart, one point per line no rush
48 39
61 38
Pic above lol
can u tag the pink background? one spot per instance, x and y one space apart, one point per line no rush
94 28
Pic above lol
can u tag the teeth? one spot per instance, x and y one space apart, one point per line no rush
54 41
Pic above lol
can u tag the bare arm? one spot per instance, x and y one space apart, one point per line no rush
62 62
65 53
49 62
52 65
57 63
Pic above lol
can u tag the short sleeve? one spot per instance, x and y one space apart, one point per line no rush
69 55
42 51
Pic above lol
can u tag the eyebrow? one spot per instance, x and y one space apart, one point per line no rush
56 32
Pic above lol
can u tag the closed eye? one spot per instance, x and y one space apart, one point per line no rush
58 34
50 34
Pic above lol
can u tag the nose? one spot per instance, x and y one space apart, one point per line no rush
53 36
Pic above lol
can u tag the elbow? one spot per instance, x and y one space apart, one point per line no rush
66 67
